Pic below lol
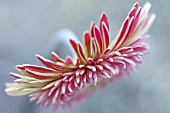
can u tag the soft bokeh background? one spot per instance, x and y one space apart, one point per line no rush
28 26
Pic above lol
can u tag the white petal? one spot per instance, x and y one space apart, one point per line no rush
48 86
77 79
99 67
82 71
69 87
106 74
55 96
63 89
95 79
90 74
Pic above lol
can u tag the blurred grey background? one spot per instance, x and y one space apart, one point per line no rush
28 26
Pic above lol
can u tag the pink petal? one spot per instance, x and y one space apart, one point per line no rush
94 49
122 32
75 47
38 68
56 57
49 63
133 11
81 53
104 19
92 29
98 38
136 20
105 34
32 74
129 31
87 43
69 60
15 75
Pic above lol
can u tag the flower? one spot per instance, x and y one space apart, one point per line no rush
98 62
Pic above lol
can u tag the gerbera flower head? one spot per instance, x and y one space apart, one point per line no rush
98 62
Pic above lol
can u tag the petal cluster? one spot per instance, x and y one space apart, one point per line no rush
64 81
